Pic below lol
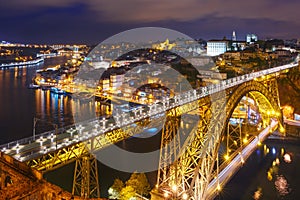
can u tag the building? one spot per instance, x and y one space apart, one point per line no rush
217 47
232 55
238 45
282 52
233 36
251 38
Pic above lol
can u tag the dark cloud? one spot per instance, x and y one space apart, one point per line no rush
54 21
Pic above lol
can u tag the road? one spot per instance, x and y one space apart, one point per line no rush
226 174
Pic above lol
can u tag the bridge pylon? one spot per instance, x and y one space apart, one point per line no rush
272 85
186 177
85 182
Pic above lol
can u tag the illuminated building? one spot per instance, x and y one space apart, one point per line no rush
233 36
164 45
251 38
217 47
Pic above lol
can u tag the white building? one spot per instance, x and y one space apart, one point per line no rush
217 47
251 38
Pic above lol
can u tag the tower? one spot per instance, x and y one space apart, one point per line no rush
233 36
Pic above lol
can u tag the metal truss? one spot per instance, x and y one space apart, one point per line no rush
234 139
56 159
63 156
85 182
170 146
197 163
189 174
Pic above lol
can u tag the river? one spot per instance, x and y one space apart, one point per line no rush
19 105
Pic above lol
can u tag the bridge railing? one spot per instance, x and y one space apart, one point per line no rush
31 139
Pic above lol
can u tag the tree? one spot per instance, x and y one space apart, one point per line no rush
115 190
136 185
139 182
127 193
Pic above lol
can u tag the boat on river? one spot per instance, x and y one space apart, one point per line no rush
56 90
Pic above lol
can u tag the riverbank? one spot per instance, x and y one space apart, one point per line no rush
17 64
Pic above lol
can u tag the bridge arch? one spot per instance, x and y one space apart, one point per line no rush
268 107
265 100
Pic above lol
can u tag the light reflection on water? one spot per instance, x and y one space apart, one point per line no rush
271 172
258 194
282 185
20 105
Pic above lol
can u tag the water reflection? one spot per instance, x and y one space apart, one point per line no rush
287 158
282 185
63 110
20 105
269 173
258 193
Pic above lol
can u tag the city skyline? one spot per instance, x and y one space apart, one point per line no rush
92 21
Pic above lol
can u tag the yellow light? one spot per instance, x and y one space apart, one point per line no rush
245 140
258 143
281 129
269 176
273 112
219 187
235 142
277 114
226 156
185 196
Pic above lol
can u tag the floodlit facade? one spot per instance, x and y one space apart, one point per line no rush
217 47
251 38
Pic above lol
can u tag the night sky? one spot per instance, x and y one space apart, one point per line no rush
92 21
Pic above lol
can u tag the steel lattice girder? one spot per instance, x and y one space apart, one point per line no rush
195 166
85 182
63 156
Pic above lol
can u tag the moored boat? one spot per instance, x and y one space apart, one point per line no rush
33 86
57 90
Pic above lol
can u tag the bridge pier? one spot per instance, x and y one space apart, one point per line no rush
85 182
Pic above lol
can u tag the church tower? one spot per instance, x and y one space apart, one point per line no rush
233 36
